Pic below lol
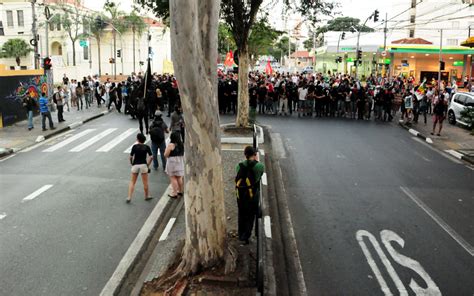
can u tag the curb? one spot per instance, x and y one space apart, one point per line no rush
429 141
242 140
138 247
8 151
416 133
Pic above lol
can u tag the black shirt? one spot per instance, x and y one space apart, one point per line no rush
139 153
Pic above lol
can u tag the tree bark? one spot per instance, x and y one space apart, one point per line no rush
73 52
98 58
194 46
242 119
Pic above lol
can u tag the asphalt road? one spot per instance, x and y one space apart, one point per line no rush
68 239
376 212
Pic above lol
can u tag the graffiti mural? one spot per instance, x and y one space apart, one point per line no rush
12 91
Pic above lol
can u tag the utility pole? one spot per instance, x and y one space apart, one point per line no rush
35 33
314 49
440 60
385 30
337 51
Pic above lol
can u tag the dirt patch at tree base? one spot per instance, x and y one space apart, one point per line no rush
237 131
212 281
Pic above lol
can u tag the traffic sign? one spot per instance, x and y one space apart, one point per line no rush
384 53
83 43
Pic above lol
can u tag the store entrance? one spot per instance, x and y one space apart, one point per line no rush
430 75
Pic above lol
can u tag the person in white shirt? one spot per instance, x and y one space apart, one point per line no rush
72 88
302 92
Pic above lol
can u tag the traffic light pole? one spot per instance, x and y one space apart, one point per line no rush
35 34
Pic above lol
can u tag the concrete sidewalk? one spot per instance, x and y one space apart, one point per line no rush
455 140
17 137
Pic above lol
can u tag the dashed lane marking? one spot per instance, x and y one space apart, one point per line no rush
459 239
93 140
107 147
8 157
37 193
3 215
69 140
267 226
167 230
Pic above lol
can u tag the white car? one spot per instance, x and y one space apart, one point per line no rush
459 102
308 70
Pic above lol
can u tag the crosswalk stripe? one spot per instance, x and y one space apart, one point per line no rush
129 149
107 147
69 140
37 192
92 140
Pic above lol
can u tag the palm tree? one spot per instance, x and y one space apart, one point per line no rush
118 25
97 27
15 48
136 23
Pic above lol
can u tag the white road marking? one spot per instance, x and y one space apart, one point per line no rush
429 141
454 153
167 230
340 156
107 147
370 260
463 243
267 226
437 151
69 140
3 215
431 289
28 149
92 140
424 158
8 157
264 179
413 132
37 193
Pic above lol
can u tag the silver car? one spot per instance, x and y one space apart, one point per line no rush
459 102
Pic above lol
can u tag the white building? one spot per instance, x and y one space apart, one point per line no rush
16 20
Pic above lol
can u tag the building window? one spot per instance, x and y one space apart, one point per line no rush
452 42
85 51
412 33
2 32
21 21
9 18
23 68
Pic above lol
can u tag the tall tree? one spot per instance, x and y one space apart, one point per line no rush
71 19
262 38
344 24
97 26
15 48
117 23
137 25
194 26
281 48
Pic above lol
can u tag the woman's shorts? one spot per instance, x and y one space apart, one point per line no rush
140 169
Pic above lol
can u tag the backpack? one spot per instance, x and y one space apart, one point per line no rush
245 188
157 134
141 105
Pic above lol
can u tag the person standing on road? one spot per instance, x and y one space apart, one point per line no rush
158 129
175 164
439 111
79 95
140 160
247 184
59 101
44 110
29 103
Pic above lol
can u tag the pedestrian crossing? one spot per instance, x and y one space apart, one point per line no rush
100 141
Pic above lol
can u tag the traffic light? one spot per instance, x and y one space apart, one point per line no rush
339 60
376 15
119 53
343 35
47 64
99 22
441 65
359 54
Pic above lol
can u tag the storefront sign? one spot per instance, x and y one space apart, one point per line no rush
385 61
458 63
350 60
348 48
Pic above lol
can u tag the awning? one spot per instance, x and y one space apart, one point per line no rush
469 42
399 48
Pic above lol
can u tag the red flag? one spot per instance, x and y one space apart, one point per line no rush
268 68
229 59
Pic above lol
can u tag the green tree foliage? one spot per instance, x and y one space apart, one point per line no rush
280 48
344 24
136 23
15 48
225 39
308 44
262 39
71 19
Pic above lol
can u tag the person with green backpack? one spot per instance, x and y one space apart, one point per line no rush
247 186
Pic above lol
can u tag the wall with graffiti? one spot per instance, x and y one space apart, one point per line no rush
12 91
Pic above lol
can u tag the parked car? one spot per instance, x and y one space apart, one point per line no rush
458 103
308 70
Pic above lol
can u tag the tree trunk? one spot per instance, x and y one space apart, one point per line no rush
115 53
194 46
242 119
133 30
74 53
98 58
18 61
